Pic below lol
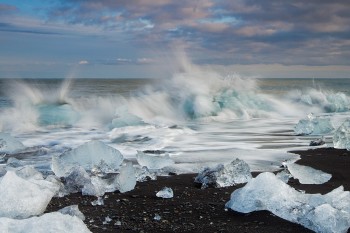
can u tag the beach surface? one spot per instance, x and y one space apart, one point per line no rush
198 210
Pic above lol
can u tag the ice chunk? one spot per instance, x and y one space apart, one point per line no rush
284 175
153 161
57 181
107 220
98 201
22 198
13 162
9 144
317 142
308 175
341 137
143 174
320 213
165 193
72 210
157 217
126 180
99 185
236 172
88 155
48 223
313 126
76 180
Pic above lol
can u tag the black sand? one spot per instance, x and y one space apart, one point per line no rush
196 210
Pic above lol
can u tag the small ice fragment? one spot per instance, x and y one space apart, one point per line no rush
13 162
22 198
153 161
157 217
9 144
341 137
99 201
118 223
89 155
50 222
284 175
320 213
165 193
317 142
236 172
308 175
126 179
107 220
72 210
314 126
143 174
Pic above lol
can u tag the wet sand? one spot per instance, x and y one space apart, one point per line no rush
195 210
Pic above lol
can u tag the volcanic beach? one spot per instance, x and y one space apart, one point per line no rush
199 210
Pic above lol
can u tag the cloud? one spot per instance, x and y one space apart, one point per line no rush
215 31
83 62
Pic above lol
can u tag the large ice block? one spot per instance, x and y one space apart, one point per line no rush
88 156
153 161
22 198
341 137
47 223
308 175
236 172
320 213
314 126
9 144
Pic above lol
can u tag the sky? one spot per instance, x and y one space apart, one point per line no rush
143 38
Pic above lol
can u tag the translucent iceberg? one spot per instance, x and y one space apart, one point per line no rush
22 198
126 180
152 161
9 144
236 172
48 223
76 180
143 174
88 156
320 213
72 210
165 193
284 175
14 163
313 126
341 137
308 175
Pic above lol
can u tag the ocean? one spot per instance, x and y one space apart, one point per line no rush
198 118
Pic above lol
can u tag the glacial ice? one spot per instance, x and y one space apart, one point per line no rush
308 175
126 179
72 210
47 223
152 161
284 175
76 179
9 144
143 174
14 163
236 172
320 213
165 193
24 197
341 137
313 126
88 155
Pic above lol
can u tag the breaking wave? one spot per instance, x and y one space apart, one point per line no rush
194 94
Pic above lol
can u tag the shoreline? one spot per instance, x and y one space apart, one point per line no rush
195 210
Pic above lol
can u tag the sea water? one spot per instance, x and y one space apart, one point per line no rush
198 118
